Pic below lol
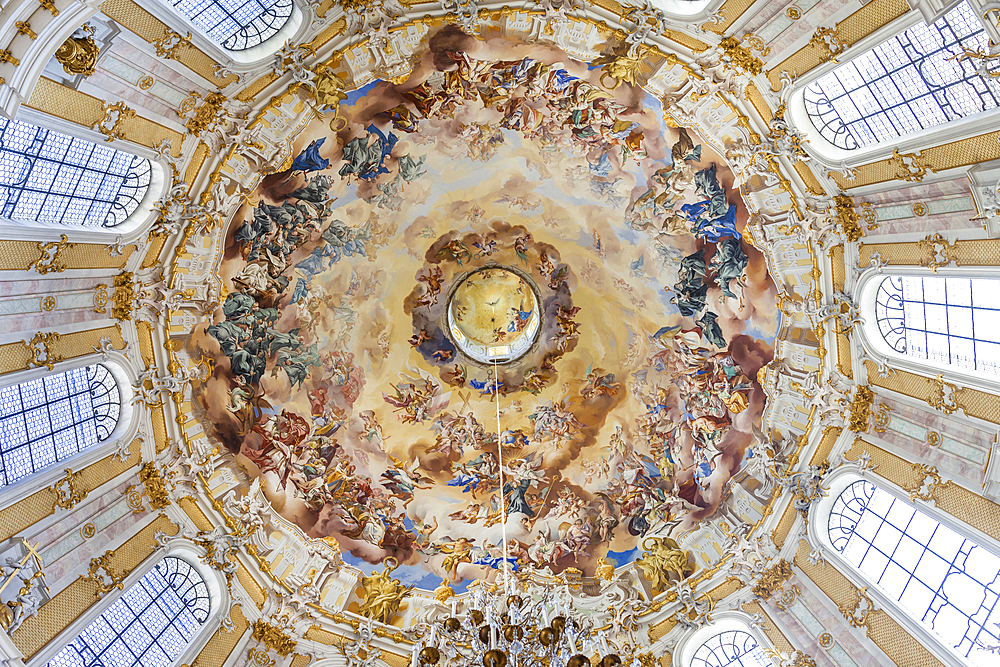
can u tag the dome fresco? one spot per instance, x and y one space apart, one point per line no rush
503 192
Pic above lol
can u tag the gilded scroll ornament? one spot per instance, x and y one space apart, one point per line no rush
794 659
944 397
123 297
172 45
741 57
207 115
926 486
68 495
49 5
444 592
772 579
828 39
938 251
40 348
114 116
910 166
848 218
49 261
861 409
383 595
156 486
101 298
78 54
103 573
856 611
660 560
882 417
273 638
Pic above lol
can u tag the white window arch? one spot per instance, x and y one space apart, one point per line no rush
52 418
237 25
943 580
911 82
950 320
150 624
53 178
730 640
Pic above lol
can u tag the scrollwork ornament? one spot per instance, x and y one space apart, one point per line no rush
171 45
910 167
78 54
926 485
829 40
103 573
861 409
40 349
115 115
856 611
939 252
772 579
273 638
50 261
68 494
945 396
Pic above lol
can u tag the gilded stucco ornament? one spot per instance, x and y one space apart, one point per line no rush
49 260
910 167
115 116
926 484
663 557
207 115
78 54
172 45
383 595
944 396
861 409
622 66
123 297
273 638
156 486
937 250
697 609
848 218
105 574
856 611
68 494
795 658
772 579
40 349
829 40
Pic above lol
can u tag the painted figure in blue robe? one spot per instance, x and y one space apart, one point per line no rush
493 562
718 228
519 321
310 159
364 157
517 502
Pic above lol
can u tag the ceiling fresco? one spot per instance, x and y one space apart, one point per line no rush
500 205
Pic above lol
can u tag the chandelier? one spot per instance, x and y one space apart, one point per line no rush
504 626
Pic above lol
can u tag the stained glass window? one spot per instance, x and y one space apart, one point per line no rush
734 648
951 320
51 418
150 624
946 581
47 176
909 82
237 24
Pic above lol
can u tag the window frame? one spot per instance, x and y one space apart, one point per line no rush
869 337
834 158
249 59
126 430
134 227
214 580
723 621
817 534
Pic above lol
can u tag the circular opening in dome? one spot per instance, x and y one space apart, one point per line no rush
493 315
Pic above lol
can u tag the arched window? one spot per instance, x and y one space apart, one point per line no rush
51 418
237 24
734 648
951 320
945 581
909 82
149 625
47 176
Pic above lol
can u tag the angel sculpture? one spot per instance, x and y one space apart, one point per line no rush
382 594
665 556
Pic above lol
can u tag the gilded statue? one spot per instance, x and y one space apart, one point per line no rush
78 54
382 594
660 559
328 87
622 66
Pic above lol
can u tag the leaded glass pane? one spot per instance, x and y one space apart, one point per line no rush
952 320
734 648
49 419
910 82
237 24
46 176
948 582
150 624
